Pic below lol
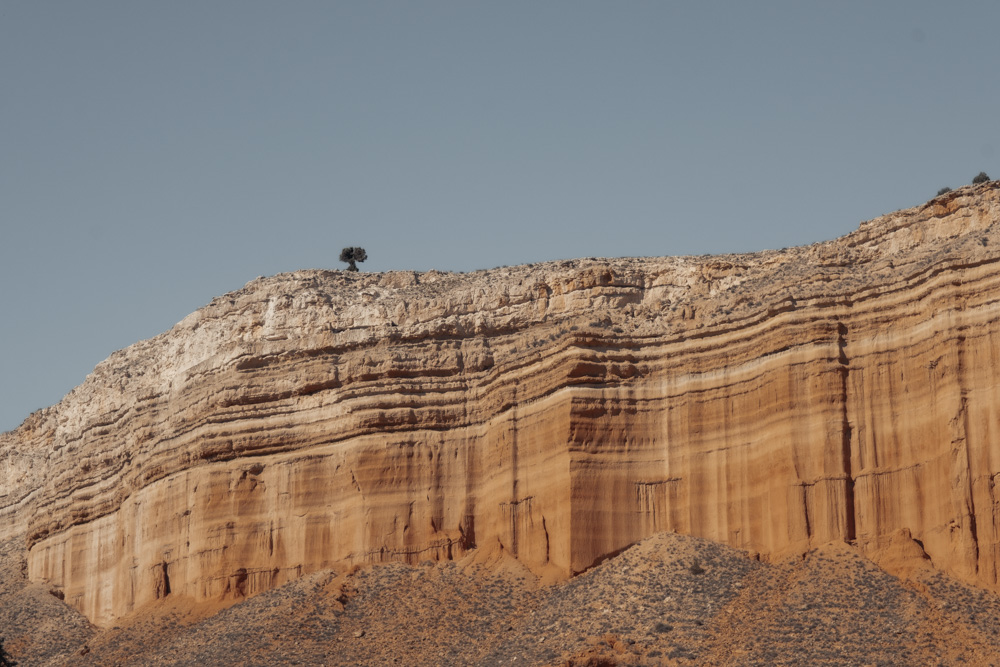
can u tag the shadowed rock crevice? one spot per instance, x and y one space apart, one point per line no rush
162 585
847 446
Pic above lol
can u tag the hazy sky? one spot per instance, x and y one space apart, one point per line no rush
154 155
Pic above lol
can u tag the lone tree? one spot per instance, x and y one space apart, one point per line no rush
943 191
352 255
981 177
5 659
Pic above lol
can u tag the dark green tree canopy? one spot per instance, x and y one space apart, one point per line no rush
981 177
943 190
352 255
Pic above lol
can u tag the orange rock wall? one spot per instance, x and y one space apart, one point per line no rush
775 402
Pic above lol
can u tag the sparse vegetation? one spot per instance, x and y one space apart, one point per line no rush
352 255
981 177
942 191
833 608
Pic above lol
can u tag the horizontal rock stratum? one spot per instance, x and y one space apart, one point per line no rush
774 401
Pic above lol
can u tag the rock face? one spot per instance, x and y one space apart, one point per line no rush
776 401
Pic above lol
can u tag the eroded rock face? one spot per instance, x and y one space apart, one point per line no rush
772 401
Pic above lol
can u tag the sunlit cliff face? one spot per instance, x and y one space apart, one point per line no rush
844 391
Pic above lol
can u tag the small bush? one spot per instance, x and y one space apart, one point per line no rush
943 191
352 255
981 177
5 659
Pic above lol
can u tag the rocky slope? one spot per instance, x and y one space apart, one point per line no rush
669 600
557 413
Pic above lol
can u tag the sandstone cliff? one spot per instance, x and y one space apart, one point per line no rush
775 401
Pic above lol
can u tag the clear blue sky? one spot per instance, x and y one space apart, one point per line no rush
154 155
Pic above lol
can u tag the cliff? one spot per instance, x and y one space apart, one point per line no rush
775 401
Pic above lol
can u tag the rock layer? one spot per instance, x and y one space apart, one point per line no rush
560 412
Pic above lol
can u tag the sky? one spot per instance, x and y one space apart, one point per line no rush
154 155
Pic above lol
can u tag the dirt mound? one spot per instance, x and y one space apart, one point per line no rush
670 599
36 626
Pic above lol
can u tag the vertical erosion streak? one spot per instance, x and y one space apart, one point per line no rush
467 527
961 439
514 500
805 504
546 529
846 431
